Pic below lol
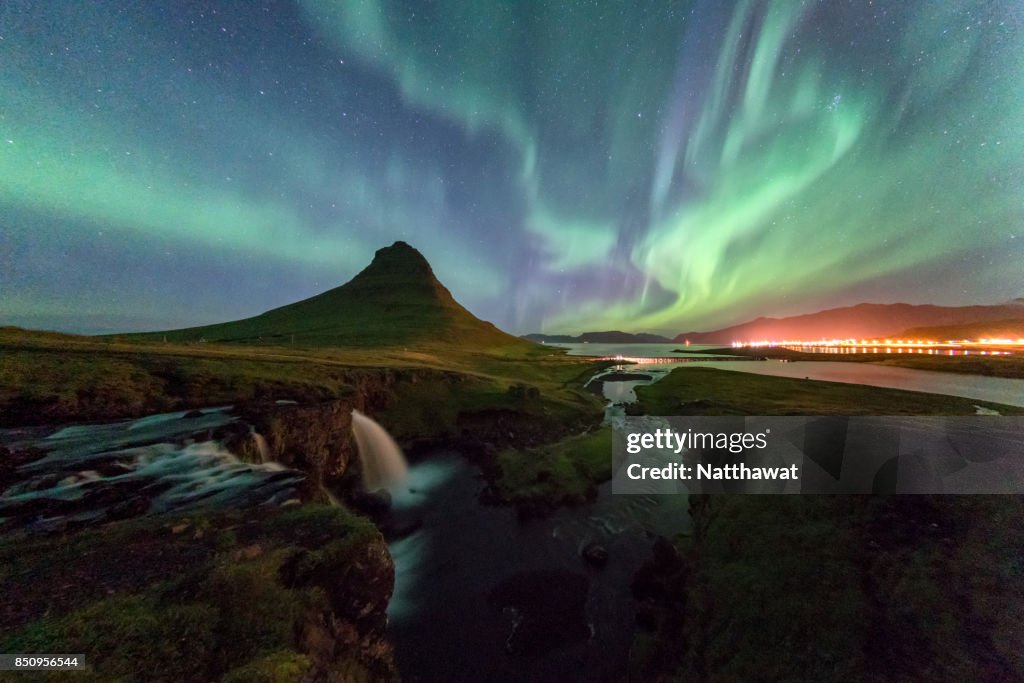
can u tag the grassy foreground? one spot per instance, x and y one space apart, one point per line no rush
254 597
1011 366
880 588
800 588
564 473
710 391
49 378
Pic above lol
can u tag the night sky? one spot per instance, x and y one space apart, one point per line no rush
660 166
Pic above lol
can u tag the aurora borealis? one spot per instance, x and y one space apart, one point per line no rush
655 166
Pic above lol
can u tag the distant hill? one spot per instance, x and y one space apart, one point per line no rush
610 337
996 329
394 301
860 321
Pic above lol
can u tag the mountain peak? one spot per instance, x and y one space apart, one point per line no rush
399 258
394 272
394 301
398 249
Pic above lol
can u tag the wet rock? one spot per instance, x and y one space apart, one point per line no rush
595 554
192 415
7 468
113 467
133 507
315 437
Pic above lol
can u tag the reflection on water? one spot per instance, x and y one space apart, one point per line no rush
443 623
639 350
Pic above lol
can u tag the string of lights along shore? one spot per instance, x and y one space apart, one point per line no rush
564 166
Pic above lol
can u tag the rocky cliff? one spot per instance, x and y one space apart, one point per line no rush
422 408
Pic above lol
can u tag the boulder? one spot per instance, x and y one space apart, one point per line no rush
595 554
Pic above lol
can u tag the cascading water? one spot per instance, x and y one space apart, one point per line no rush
384 466
264 449
159 463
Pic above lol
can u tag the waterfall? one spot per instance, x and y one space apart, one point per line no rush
383 463
261 445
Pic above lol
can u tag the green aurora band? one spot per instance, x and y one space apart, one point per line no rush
642 165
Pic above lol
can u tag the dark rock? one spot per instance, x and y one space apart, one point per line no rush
524 392
595 554
533 509
133 507
375 504
666 554
397 529
550 609
647 618
111 468
489 496
660 580
10 461
192 414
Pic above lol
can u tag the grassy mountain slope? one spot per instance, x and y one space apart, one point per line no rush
395 301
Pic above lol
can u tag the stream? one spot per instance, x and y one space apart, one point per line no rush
88 474
578 620
479 594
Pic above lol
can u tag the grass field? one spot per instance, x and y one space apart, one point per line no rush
564 473
48 378
895 588
992 366
226 596
710 391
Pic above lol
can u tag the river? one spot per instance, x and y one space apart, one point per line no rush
995 389
473 581
445 625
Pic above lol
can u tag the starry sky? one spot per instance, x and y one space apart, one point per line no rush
565 166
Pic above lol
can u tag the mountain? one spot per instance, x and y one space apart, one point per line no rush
609 337
995 329
860 322
394 301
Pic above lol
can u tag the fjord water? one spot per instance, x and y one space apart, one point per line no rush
996 389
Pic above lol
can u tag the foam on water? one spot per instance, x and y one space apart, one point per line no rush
154 464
